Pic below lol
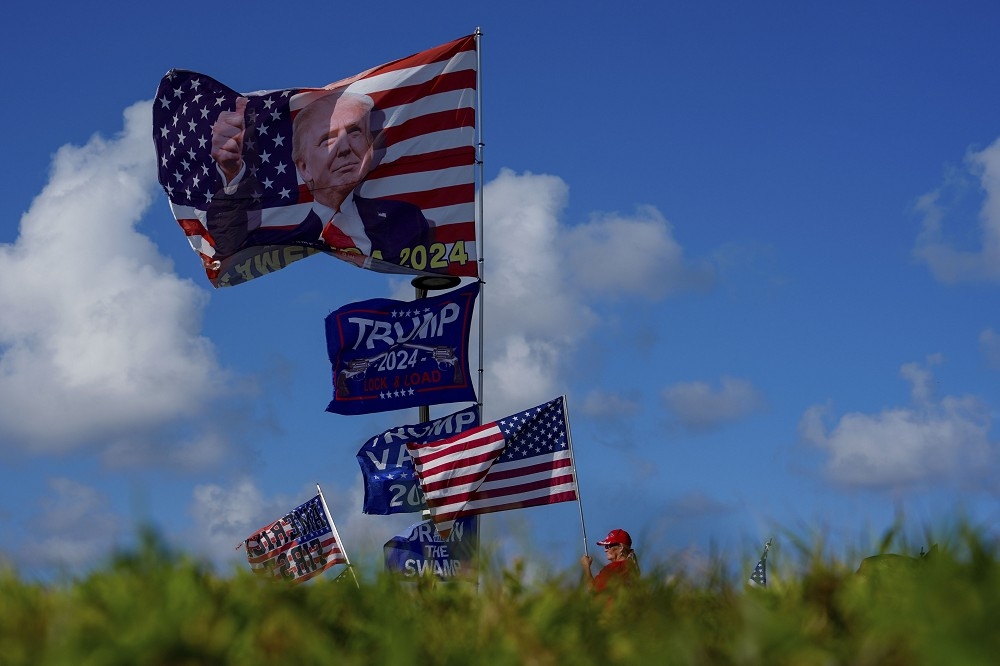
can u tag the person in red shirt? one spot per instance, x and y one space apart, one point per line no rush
622 567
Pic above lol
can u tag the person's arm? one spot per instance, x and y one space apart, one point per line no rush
230 185
227 140
228 217
227 220
586 561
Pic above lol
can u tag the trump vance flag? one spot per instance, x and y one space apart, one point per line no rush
299 545
520 461
377 169
386 467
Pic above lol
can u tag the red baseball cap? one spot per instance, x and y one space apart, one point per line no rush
616 536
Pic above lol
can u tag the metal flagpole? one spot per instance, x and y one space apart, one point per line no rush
336 535
572 457
480 146
480 243
424 283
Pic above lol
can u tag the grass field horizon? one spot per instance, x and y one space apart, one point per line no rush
154 605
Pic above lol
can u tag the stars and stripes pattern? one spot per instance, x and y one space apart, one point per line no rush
424 123
759 575
298 546
519 461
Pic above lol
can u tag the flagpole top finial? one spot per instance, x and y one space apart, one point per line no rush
435 282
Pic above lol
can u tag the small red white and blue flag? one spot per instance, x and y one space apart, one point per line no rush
298 546
519 461
759 575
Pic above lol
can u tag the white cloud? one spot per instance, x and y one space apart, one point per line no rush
989 342
203 450
921 379
697 406
533 315
541 274
614 255
948 263
932 440
224 516
75 528
603 405
99 337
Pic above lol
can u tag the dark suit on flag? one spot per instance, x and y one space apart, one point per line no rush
393 225
390 225
228 220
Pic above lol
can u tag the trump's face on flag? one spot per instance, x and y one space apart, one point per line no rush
332 145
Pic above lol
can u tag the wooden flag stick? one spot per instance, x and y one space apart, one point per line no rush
336 535
576 480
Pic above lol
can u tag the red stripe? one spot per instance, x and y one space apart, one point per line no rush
470 269
438 159
457 460
555 498
565 496
513 489
450 499
441 196
522 487
424 453
448 82
431 122
454 458
436 54
457 480
457 231
548 465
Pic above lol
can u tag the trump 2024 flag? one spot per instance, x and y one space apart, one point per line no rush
519 461
377 169
298 546
389 354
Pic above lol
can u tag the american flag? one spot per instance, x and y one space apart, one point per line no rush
424 125
759 575
296 547
519 461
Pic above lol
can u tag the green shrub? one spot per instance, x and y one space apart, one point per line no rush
152 607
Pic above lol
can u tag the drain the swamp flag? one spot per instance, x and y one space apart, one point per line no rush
421 551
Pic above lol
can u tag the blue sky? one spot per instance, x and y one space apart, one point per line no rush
757 246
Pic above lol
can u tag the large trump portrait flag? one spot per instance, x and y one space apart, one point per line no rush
377 169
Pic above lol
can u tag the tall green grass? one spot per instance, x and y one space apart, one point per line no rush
153 606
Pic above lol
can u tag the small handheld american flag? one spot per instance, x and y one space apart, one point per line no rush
759 575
